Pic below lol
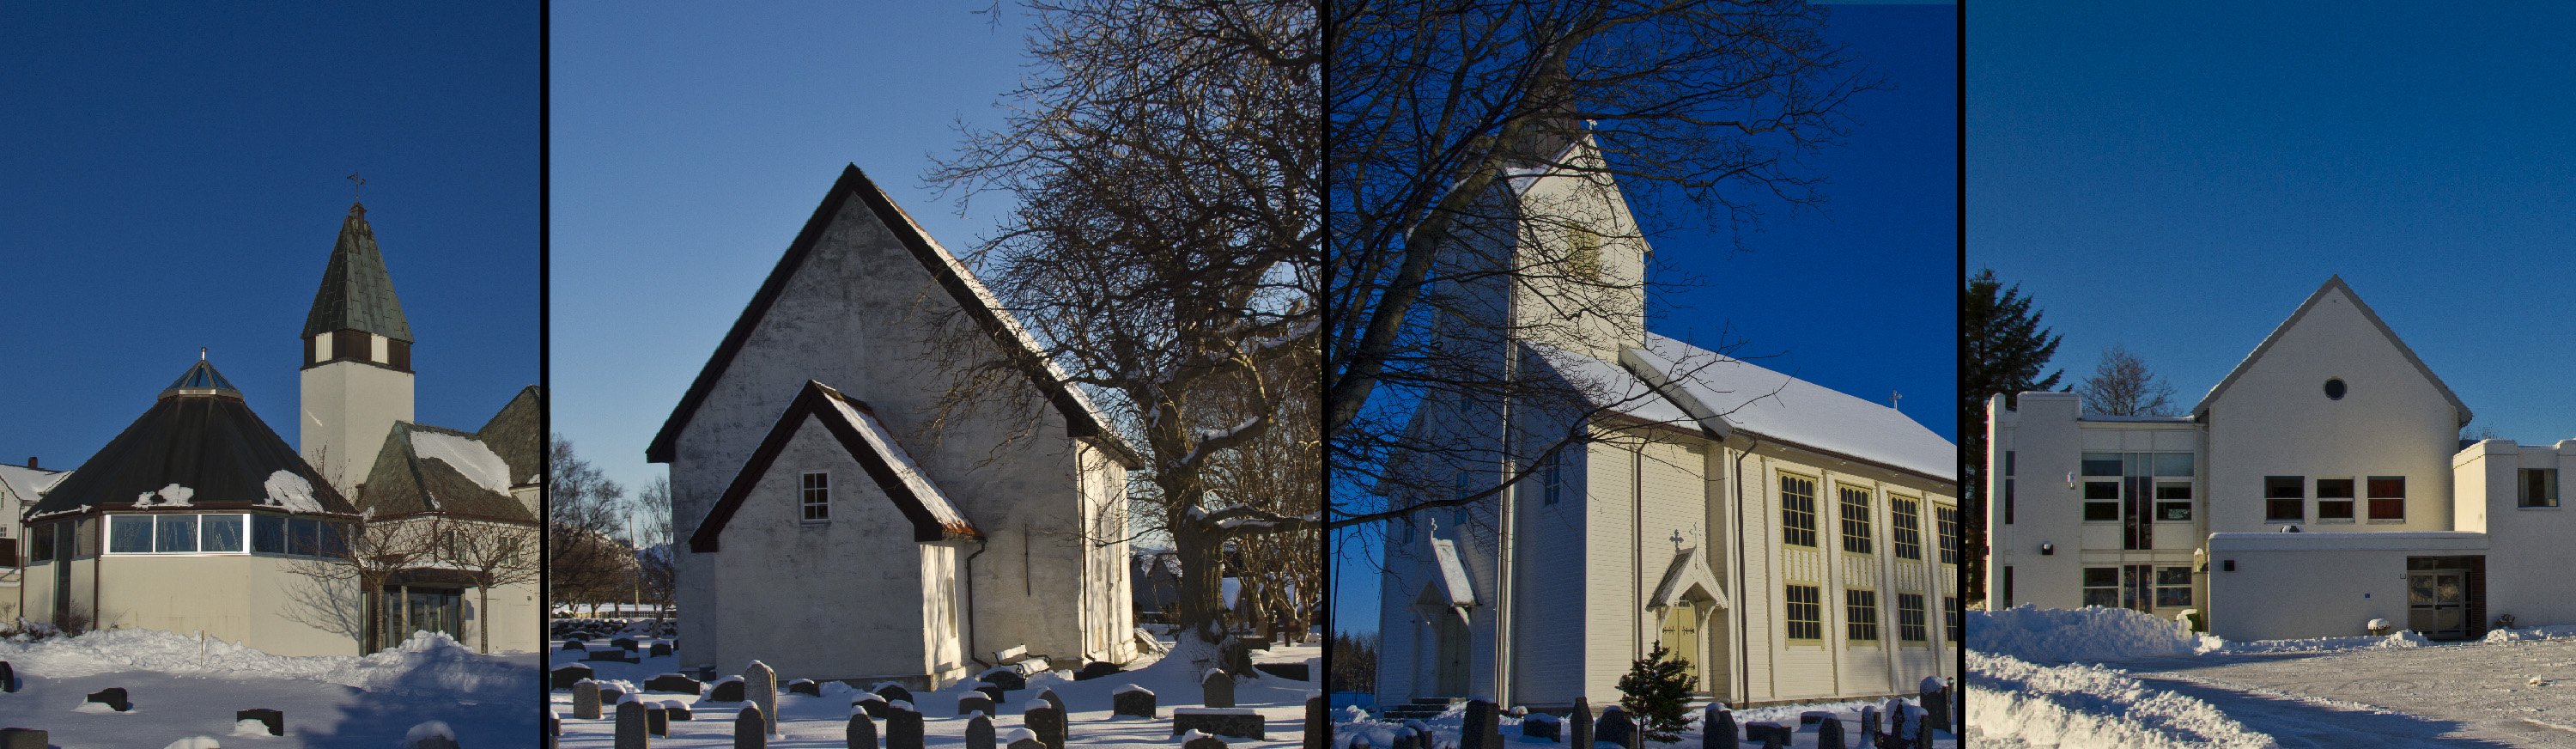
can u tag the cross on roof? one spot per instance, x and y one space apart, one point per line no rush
360 183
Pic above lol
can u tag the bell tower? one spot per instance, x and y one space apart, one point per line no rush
357 359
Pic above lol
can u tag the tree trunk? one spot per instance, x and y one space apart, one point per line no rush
1202 605
483 610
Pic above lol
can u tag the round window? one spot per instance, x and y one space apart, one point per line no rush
2334 388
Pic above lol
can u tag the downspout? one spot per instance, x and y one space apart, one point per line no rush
1743 625
1637 549
1505 532
967 571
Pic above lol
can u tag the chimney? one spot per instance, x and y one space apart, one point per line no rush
31 462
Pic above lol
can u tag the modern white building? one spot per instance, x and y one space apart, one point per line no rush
1793 543
841 521
2332 428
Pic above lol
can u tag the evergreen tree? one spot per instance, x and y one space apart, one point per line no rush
1656 692
2002 349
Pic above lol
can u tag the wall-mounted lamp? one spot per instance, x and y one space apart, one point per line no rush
2070 479
2047 549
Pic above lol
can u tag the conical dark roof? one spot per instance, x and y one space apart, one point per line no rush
357 293
204 439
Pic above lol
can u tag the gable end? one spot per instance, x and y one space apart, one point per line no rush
816 402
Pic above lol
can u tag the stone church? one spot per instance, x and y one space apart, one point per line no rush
822 488
1791 542
199 517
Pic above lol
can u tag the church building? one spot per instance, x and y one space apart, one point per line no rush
822 486
199 518
2321 489
1791 542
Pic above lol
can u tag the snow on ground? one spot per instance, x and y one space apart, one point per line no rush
182 687
1351 722
819 721
2169 688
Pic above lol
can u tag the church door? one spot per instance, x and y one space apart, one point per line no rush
1681 636
1449 677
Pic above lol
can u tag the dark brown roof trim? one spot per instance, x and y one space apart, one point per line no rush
814 402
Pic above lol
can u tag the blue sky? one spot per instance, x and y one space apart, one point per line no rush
2176 178
1860 295
176 181
690 143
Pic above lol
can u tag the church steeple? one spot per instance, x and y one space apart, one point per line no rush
357 294
357 358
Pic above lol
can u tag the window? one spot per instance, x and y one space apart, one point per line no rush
1909 618
1950 613
2334 500
2173 501
2008 501
2387 498
129 534
1806 612
2173 464
1906 533
267 534
178 533
40 543
2285 498
2009 457
2173 586
1552 478
2101 464
815 497
186 534
1798 512
2007 585
2101 501
1855 512
1860 612
2102 587
2334 388
2539 487
1945 520
303 536
221 533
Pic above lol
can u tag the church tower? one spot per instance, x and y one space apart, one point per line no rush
357 358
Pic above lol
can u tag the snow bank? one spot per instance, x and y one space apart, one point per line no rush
2551 632
2091 634
427 662
2081 705
2328 644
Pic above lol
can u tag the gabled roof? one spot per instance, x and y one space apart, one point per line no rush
423 469
27 483
1081 417
2333 283
1686 572
516 432
357 293
205 441
1742 397
1453 574
933 517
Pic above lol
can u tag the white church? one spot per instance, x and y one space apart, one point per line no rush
2320 487
839 524
1793 543
199 518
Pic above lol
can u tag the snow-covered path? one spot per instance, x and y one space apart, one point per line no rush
2460 694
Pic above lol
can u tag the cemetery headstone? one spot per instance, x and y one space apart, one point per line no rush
1132 700
630 727
1580 725
8 677
1615 727
870 703
673 684
1868 725
676 709
1202 741
1483 726
1095 669
609 694
1008 678
1829 734
760 687
1405 738
807 687
575 645
1049 696
991 691
861 733
895 693
979 733
608 655
657 720
1717 731
1762 730
585 700
1022 738
1046 720
750 729
1243 723
273 720
625 643
1544 727
1319 728
24 738
113 697
974 702
1936 708
565 676
1216 689
659 650
903 726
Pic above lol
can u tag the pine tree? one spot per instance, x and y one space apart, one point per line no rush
2002 349
1657 692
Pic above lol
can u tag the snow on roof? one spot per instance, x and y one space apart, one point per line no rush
467 455
1608 386
293 492
907 471
1453 576
26 483
1779 407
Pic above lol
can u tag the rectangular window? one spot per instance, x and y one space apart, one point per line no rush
1945 520
2101 501
2539 487
1905 534
129 534
817 496
2102 587
1798 512
2008 599
268 534
2008 501
1860 611
2173 464
2285 498
178 533
1553 479
2387 498
221 533
303 536
1910 626
2101 464
2173 501
40 543
1806 612
2173 586
1855 516
2334 499
335 541
2009 455
1950 613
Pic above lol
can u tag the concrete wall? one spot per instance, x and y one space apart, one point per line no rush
2527 574
257 601
348 409
2319 585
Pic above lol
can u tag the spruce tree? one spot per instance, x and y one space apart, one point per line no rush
2002 349
1656 692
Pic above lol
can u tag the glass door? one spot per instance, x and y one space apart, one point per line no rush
2437 603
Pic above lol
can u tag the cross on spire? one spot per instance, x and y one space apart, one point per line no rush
1895 400
359 183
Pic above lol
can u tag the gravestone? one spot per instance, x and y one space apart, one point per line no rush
1216 689
608 655
1022 738
1242 723
903 727
895 692
1202 741
870 703
1580 725
1717 731
1615 728
1319 728
1542 727
113 697
24 738
585 700
1829 734
273 720
1096 669
675 709
1049 696
624 643
974 702
565 676
1483 726
1762 730
979 733
991 691
575 645
1778 738
609 694
1132 700
1009 679
630 727
659 650
657 720
8 677
807 687
1405 738
1936 708
760 687
1868 725
673 684
750 729
1046 720
861 733
1290 671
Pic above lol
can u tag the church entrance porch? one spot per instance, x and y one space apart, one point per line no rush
2446 596
1449 653
420 602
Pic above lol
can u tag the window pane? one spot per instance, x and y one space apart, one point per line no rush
178 533
129 534
2101 511
2103 597
2387 486
2173 464
2101 464
2285 487
334 541
2334 488
223 532
2101 490
2334 509
2173 490
303 536
2388 509
2173 596
2285 509
2173 511
2101 576
268 534
2173 575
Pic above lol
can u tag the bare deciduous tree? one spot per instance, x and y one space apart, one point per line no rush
348 565
585 563
490 554
2122 385
657 570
